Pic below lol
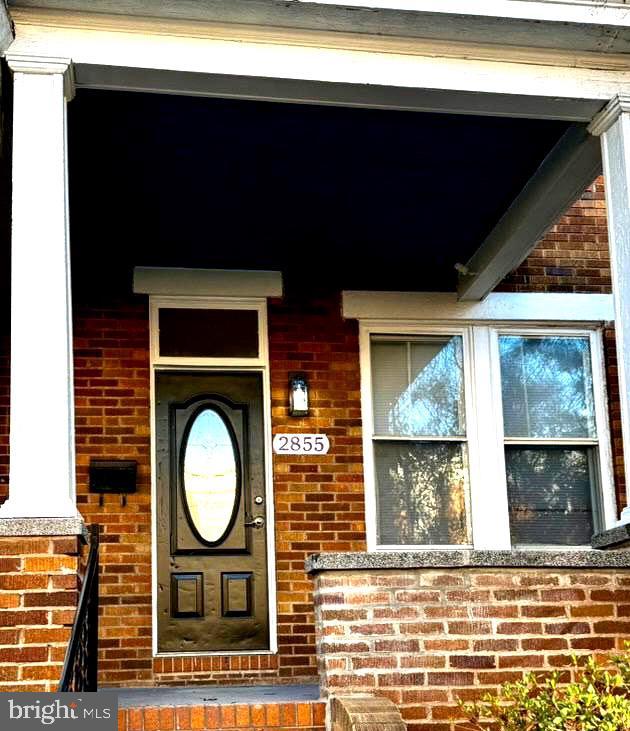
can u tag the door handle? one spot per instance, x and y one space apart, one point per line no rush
257 522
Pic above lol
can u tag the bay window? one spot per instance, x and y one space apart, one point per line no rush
482 430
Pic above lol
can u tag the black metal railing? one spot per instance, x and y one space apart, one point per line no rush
81 664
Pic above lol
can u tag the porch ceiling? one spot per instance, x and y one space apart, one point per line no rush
341 197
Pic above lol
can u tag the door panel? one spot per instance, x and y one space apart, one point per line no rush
211 531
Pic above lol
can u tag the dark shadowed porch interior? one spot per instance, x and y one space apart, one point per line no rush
335 197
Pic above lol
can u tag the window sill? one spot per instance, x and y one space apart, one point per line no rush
569 558
617 537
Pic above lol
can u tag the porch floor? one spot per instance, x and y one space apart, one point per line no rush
214 695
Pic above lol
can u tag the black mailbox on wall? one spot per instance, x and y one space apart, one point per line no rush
113 476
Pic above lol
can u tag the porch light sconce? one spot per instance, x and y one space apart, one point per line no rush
298 394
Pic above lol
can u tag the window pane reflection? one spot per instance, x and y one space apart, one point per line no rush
418 387
422 491
547 387
549 494
210 475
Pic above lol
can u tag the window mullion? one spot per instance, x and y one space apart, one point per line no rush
489 504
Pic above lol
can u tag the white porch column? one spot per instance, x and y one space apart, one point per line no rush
42 464
612 124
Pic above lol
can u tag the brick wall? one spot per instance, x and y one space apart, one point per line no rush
424 638
319 501
112 421
38 595
573 256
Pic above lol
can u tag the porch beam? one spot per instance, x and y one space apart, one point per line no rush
568 169
42 463
612 125
306 91
363 63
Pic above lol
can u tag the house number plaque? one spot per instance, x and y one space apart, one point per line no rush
301 444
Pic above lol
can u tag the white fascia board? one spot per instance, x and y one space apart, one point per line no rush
569 24
206 282
119 42
498 306
560 11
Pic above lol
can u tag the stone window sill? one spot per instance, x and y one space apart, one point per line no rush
467 558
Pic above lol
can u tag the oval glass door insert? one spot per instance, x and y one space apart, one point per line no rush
211 481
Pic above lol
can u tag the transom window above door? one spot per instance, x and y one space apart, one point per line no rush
207 331
484 435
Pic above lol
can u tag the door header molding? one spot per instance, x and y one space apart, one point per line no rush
206 282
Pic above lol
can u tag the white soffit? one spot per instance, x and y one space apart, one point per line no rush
206 282
508 306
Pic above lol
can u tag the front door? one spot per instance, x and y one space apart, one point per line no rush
211 522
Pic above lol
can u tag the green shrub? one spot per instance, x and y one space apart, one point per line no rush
598 700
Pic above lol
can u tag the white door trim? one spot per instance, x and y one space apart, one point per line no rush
256 365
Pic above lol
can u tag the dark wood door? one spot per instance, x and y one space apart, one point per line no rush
211 521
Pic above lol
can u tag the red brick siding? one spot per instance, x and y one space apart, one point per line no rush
112 421
573 256
38 595
318 500
424 638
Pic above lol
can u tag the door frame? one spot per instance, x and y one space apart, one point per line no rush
211 365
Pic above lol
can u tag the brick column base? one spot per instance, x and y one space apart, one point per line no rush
38 598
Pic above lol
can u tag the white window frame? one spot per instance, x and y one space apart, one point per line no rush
484 424
259 364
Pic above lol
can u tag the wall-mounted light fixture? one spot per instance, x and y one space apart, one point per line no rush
298 394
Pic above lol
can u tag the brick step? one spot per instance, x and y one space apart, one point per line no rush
306 716
255 708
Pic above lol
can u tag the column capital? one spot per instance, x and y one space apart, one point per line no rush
605 118
24 64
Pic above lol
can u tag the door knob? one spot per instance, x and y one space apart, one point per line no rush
257 522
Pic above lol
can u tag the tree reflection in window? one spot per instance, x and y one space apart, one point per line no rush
550 495
547 387
422 491
418 387
418 403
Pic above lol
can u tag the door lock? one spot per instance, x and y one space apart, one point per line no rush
257 522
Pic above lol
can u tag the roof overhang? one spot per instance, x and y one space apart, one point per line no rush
570 25
515 58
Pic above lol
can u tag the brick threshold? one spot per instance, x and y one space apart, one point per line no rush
212 708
